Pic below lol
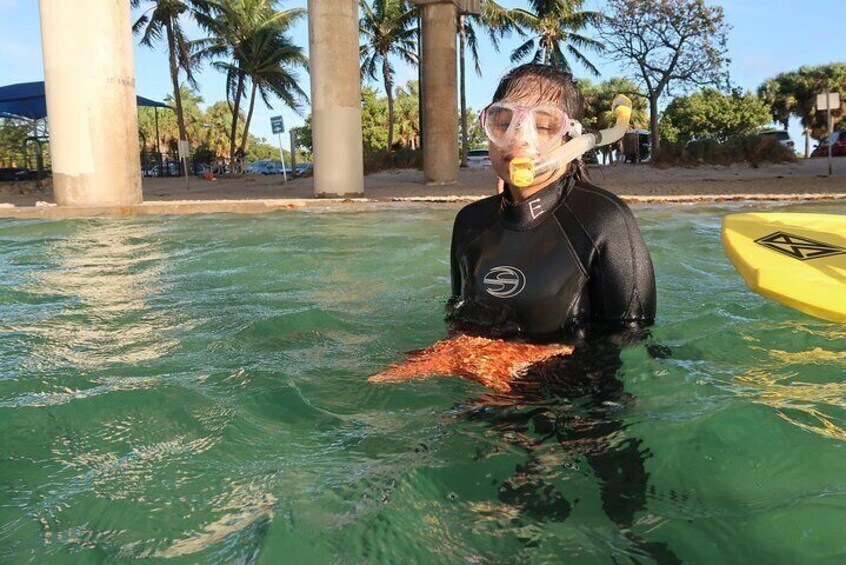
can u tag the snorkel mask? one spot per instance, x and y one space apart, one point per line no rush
543 127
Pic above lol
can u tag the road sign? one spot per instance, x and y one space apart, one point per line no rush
828 101
277 124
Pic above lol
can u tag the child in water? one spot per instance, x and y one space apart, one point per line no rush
557 257
550 260
550 277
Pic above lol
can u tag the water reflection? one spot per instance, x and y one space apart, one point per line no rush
568 412
107 271
243 507
803 404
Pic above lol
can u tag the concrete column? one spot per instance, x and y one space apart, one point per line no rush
91 108
440 95
335 98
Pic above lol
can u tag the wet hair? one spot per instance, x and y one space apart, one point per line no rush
535 83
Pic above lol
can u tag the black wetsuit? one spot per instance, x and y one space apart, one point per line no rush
569 257
569 262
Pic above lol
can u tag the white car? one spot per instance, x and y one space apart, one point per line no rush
779 135
478 159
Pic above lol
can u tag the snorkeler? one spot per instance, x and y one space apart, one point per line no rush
550 277
552 258
553 255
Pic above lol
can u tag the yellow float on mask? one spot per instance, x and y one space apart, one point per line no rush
544 126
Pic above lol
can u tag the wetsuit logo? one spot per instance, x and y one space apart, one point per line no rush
504 282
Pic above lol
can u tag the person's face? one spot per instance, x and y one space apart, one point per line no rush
526 142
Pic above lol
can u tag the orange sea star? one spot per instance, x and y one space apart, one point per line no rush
491 362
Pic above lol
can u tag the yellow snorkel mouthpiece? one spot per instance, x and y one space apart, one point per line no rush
522 171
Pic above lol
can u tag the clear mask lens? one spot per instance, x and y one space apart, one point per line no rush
508 125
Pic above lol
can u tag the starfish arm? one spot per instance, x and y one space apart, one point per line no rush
492 362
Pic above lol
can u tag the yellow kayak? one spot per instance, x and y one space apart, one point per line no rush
796 259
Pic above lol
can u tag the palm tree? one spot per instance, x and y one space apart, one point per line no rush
268 60
776 93
387 28
801 89
497 22
191 113
245 35
556 26
163 17
217 121
408 115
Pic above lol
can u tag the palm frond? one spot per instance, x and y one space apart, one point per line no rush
523 50
583 60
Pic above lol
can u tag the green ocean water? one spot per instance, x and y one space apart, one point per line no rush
193 389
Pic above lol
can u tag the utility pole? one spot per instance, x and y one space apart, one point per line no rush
827 101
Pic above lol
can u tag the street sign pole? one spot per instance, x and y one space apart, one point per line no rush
183 149
830 128
293 135
278 127
827 102
282 156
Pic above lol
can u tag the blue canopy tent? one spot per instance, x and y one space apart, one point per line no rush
28 100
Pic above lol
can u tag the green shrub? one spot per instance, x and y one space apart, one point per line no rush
751 149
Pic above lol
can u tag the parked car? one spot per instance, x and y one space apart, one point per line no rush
16 174
837 140
170 169
201 169
478 158
265 167
305 169
779 135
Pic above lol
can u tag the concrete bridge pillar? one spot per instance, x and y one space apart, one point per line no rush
440 90
335 97
91 108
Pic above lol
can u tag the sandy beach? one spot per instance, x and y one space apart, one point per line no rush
805 179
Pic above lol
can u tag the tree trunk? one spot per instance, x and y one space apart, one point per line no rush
654 136
246 136
236 106
388 87
174 77
463 90
807 143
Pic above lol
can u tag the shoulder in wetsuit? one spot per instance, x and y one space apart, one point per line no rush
569 257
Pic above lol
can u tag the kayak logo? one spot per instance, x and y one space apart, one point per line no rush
799 247
504 282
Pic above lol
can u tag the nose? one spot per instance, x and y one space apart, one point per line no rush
524 138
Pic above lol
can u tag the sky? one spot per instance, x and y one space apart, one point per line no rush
766 37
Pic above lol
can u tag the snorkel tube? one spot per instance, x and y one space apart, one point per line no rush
524 170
